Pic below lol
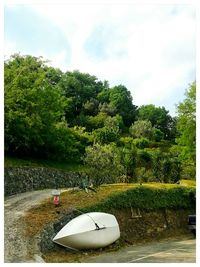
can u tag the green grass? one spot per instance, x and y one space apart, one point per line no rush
66 166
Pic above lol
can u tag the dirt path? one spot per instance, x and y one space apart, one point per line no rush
17 248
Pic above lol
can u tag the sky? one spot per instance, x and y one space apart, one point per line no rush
149 48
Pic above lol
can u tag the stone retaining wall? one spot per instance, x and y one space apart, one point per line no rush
23 179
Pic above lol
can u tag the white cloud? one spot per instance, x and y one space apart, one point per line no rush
58 60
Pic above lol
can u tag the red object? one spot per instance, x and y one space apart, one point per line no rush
56 200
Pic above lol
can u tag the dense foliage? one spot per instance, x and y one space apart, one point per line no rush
186 127
74 117
149 199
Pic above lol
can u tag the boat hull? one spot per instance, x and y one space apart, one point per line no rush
89 231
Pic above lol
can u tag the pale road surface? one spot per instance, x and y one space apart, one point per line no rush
173 250
18 248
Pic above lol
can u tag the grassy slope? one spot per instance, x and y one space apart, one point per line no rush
38 217
41 215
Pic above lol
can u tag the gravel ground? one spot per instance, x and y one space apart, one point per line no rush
17 247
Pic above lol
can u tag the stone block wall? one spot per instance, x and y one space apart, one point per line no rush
23 179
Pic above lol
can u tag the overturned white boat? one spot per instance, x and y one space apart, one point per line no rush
88 231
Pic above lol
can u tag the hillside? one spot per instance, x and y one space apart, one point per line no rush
70 119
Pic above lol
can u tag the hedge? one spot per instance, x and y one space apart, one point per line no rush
149 199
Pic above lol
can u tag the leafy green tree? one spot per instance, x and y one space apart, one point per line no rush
106 135
104 163
107 108
115 122
141 128
90 107
157 134
69 108
157 170
141 142
166 167
186 124
128 161
104 95
33 104
63 143
126 141
53 75
128 152
111 130
81 88
121 100
144 162
159 118
95 122
176 170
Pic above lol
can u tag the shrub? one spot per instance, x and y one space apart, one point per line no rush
104 163
141 142
106 135
141 128
150 199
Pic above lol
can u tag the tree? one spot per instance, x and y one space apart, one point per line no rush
107 108
128 161
144 162
166 167
141 128
121 101
106 135
186 124
114 122
157 158
104 163
159 118
90 107
34 109
82 89
157 134
95 122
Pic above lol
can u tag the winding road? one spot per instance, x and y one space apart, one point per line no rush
17 248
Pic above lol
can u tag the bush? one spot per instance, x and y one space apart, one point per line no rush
150 199
141 142
104 163
158 135
141 128
106 135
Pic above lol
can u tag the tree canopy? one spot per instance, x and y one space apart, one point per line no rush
186 123
71 115
159 118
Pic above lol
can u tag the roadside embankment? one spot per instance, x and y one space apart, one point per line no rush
143 213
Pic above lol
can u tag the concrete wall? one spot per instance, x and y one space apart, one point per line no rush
23 179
